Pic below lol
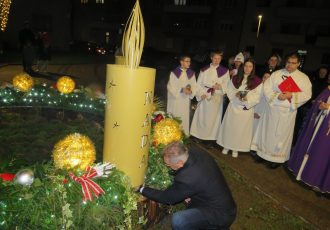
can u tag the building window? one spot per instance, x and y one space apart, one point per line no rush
296 3
84 1
323 30
325 59
99 1
225 26
290 28
263 3
230 3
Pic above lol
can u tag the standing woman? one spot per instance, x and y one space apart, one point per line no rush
244 93
310 159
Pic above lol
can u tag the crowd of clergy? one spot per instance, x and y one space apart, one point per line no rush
242 109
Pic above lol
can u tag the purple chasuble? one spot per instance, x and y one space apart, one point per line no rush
221 70
177 72
316 172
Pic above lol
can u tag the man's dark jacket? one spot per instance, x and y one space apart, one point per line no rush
201 180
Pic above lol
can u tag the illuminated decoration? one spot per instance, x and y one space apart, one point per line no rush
133 38
127 137
4 12
167 131
74 152
23 82
65 84
43 96
24 177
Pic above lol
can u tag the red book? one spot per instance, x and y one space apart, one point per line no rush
289 85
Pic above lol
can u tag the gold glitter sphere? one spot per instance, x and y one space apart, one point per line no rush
23 82
74 152
154 108
65 84
167 131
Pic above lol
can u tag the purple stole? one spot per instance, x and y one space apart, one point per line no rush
255 82
177 72
221 70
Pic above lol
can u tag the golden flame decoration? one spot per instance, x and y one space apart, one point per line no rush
133 38
4 12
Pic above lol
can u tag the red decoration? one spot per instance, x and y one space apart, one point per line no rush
65 181
289 85
88 186
7 176
158 118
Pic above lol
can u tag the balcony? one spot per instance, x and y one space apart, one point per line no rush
323 41
288 39
310 13
188 9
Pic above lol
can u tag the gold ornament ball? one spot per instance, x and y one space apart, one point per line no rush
167 131
65 84
74 152
23 82
154 108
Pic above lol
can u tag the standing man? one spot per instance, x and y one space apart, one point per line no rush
273 137
199 182
181 88
211 86
27 39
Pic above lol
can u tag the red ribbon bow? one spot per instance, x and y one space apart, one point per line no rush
7 176
88 186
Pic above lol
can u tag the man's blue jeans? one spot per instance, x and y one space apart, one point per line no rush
191 219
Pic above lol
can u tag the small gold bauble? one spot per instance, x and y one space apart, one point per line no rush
167 131
74 152
23 82
65 84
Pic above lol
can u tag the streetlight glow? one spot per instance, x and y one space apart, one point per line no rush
259 23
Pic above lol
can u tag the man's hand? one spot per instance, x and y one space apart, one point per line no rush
324 106
187 200
203 96
284 96
103 170
187 91
288 95
217 86
239 96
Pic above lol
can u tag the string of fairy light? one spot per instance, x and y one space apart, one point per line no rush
4 12
43 96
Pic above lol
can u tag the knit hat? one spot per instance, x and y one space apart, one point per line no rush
239 57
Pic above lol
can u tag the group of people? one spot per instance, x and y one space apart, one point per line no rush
34 48
261 114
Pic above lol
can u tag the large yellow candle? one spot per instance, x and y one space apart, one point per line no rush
120 60
128 119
